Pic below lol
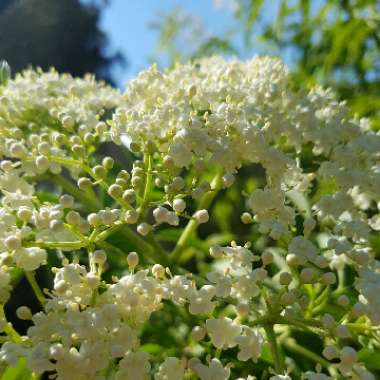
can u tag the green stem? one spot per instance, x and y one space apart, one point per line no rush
275 349
102 183
30 276
106 233
92 203
259 321
160 253
292 345
56 244
303 323
148 184
192 225
110 247
148 249
8 328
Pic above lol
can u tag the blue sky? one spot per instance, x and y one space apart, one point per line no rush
126 23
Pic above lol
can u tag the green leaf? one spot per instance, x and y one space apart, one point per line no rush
151 348
20 372
370 358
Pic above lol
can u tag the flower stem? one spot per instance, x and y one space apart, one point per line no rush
92 203
30 276
56 244
275 349
192 225
8 328
148 184
292 345
148 248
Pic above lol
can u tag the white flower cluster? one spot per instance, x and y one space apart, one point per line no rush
78 336
314 211
231 113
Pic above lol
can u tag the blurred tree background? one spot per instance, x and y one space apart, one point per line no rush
63 34
333 42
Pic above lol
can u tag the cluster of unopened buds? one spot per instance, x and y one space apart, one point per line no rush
108 193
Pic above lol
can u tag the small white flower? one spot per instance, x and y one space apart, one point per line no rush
170 369
223 332
135 365
215 371
250 344
201 300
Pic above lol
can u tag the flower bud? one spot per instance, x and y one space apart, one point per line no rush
178 183
92 280
78 149
101 128
89 138
228 180
328 321
121 182
12 242
66 201
108 163
321 262
44 148
292 260
129 196
137 182
24 213
288 298
5 72
131 216
328 278
132 260
99 257
267 258
160 214
342 331
99 171
94 220
179 205
123 174
216 251
73 218
56 225
144 229
307 275
42 164
201 216
67 121
343 300
198 333
168 162
348 355
330 352
246 218
242 309
24 313
158 271
84 183
115 191
285 278
6 166
107 217
358 310
61 287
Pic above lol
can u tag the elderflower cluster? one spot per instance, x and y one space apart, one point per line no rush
141 286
